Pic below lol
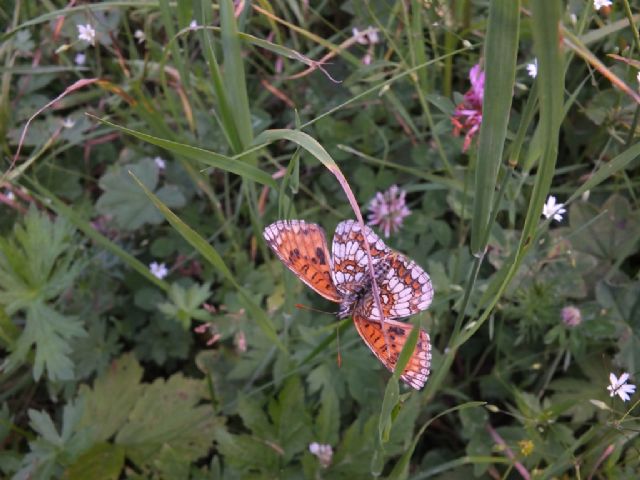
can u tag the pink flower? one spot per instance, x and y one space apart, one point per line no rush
388 209
468 114
571 316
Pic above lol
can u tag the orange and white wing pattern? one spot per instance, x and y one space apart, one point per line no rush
303 248
417 370
350 264
405 289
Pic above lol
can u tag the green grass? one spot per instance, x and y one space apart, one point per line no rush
176 144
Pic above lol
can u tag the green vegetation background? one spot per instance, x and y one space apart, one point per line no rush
273 109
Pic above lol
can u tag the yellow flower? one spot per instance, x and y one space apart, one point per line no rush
526 447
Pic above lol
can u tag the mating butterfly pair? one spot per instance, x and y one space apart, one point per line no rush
344 278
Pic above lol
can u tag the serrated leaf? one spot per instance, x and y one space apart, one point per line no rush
245 452
172 464
37 261
186 302
293 436
50 448
129 206
37 264
112 397
50 332
168 413
103 461
254 418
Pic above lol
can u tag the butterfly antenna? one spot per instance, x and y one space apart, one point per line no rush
311 309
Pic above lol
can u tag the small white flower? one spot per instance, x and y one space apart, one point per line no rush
10 196
553 209
160 163
620 387
573 18
323 452
140 36
68 123
193 25
80 59
87 33
366 37
158 270
598 4
532 68
638 78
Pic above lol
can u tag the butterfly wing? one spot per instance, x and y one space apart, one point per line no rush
405 289
350 264
303 248
417 370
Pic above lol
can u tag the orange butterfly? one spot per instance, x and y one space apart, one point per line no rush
344 278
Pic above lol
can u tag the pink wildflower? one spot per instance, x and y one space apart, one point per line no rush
468 114
571 316
388 209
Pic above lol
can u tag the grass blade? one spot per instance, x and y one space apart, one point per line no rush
207 157
213 257
500 59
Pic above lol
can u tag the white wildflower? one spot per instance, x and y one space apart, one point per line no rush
553 209
140 36
158 270
87 33
160 163
620 387
532 68
368 36
80 59
193 25
323 452
68 123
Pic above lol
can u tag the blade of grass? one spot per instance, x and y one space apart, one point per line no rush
168 18
501 48
225 112
207 157
401 469
214 258
233 74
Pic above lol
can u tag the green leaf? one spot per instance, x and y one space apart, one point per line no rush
500 52
37 264
389 402
254 418
185 303
293 435
233 73
51 334
211 255
103 461
51 448
37 261
112 397
168 413
129 206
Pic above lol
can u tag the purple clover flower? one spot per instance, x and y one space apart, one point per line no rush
388 209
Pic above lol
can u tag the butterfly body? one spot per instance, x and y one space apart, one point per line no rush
344 277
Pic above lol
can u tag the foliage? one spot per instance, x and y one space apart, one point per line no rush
185 128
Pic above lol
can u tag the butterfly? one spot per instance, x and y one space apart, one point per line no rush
343 277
